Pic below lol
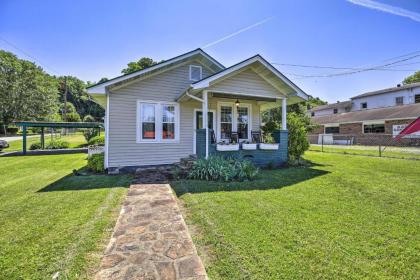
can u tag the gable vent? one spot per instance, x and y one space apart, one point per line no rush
195 73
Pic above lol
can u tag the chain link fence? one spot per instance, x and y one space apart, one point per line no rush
370 144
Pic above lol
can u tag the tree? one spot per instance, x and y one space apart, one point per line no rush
140 64
26 91
77 96
415 78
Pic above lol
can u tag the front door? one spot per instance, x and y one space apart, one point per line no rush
198 122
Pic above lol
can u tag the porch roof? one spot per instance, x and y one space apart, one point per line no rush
267 72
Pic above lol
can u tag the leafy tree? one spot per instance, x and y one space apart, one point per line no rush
77 95
26 91
415 78
140 64
102 80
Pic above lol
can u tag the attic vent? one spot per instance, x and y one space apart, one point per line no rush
195 73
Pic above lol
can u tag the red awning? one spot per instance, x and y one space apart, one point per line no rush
409 129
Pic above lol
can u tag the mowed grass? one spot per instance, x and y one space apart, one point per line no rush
51 221
346 217
76 140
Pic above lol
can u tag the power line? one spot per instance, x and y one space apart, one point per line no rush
337 68
29 55
359 70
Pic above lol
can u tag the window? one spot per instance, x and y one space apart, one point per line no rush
332 129
363 105
195 73
399 100
243 116
374 128
312 114
158 122
225 122
335 111
168 122
417 98
148 119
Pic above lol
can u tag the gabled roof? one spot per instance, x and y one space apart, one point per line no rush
410 111
393 89
269 70
99 88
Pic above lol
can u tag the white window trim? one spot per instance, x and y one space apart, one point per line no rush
234 120
201 72
158 122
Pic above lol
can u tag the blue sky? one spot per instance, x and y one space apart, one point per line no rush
94 39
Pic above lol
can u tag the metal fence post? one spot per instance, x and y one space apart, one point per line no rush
322 143
380 150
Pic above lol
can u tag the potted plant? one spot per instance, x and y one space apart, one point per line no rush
225 147
247 145
269 143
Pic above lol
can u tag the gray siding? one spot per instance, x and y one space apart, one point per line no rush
247 82
123 149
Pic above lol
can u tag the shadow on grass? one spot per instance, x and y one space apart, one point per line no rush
88 181
268 179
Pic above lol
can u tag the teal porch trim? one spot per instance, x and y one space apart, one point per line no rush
261 158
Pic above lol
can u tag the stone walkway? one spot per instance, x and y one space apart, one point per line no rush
151 239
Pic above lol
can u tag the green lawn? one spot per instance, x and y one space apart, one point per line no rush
346 217
51 221
76 140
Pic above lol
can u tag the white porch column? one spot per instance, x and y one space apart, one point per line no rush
284 113
205 121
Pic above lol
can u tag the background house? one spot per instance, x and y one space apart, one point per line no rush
385 111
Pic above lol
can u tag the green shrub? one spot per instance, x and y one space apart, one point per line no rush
35 146
88 118
298 140
218 168
57 144
96 163
90 133
12 130
97 140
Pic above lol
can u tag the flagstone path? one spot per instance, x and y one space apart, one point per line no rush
151 240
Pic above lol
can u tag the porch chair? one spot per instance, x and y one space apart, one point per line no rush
234 138
256 136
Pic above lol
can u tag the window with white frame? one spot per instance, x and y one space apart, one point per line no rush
158 122
226 122
234 119
148 121
168 122
196 72
242 122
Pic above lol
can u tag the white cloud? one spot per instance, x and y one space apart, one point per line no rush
387 9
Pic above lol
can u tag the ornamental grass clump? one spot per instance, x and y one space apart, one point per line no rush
218 168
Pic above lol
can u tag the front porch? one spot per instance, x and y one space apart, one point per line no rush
274 156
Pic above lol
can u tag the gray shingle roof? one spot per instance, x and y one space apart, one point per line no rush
411 111
414 85
342 104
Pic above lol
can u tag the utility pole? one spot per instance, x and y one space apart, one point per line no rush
65 104
65 100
